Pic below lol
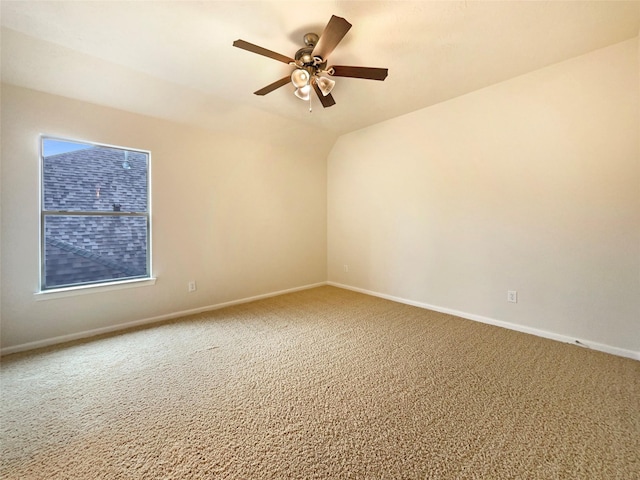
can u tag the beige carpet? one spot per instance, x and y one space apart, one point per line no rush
323 383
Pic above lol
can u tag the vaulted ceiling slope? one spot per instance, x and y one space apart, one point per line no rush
175 60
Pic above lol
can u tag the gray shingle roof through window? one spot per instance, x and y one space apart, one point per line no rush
81 249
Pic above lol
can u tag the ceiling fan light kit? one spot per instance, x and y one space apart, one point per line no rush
310 63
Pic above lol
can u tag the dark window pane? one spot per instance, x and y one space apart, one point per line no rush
94 178
92 248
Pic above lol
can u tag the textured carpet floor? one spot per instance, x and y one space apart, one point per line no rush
323 383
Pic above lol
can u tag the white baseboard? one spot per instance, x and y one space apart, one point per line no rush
621 352
146 321
469 316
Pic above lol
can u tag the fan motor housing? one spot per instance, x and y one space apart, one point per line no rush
305 54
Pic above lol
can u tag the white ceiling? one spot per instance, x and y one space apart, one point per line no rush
175 59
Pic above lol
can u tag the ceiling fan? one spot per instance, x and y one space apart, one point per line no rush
310 64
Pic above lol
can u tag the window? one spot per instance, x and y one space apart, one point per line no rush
95 222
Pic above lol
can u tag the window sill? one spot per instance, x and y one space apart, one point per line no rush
88 289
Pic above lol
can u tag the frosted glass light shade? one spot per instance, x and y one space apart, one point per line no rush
300 78
303 92
325 85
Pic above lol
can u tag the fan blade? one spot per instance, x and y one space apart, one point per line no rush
368 73
327 101
270 88
262 51
335 30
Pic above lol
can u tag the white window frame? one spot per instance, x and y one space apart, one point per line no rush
101 285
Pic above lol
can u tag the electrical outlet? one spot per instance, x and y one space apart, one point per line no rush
512 296
346 268
192 286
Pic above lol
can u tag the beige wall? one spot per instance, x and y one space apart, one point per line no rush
532 185
239 216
